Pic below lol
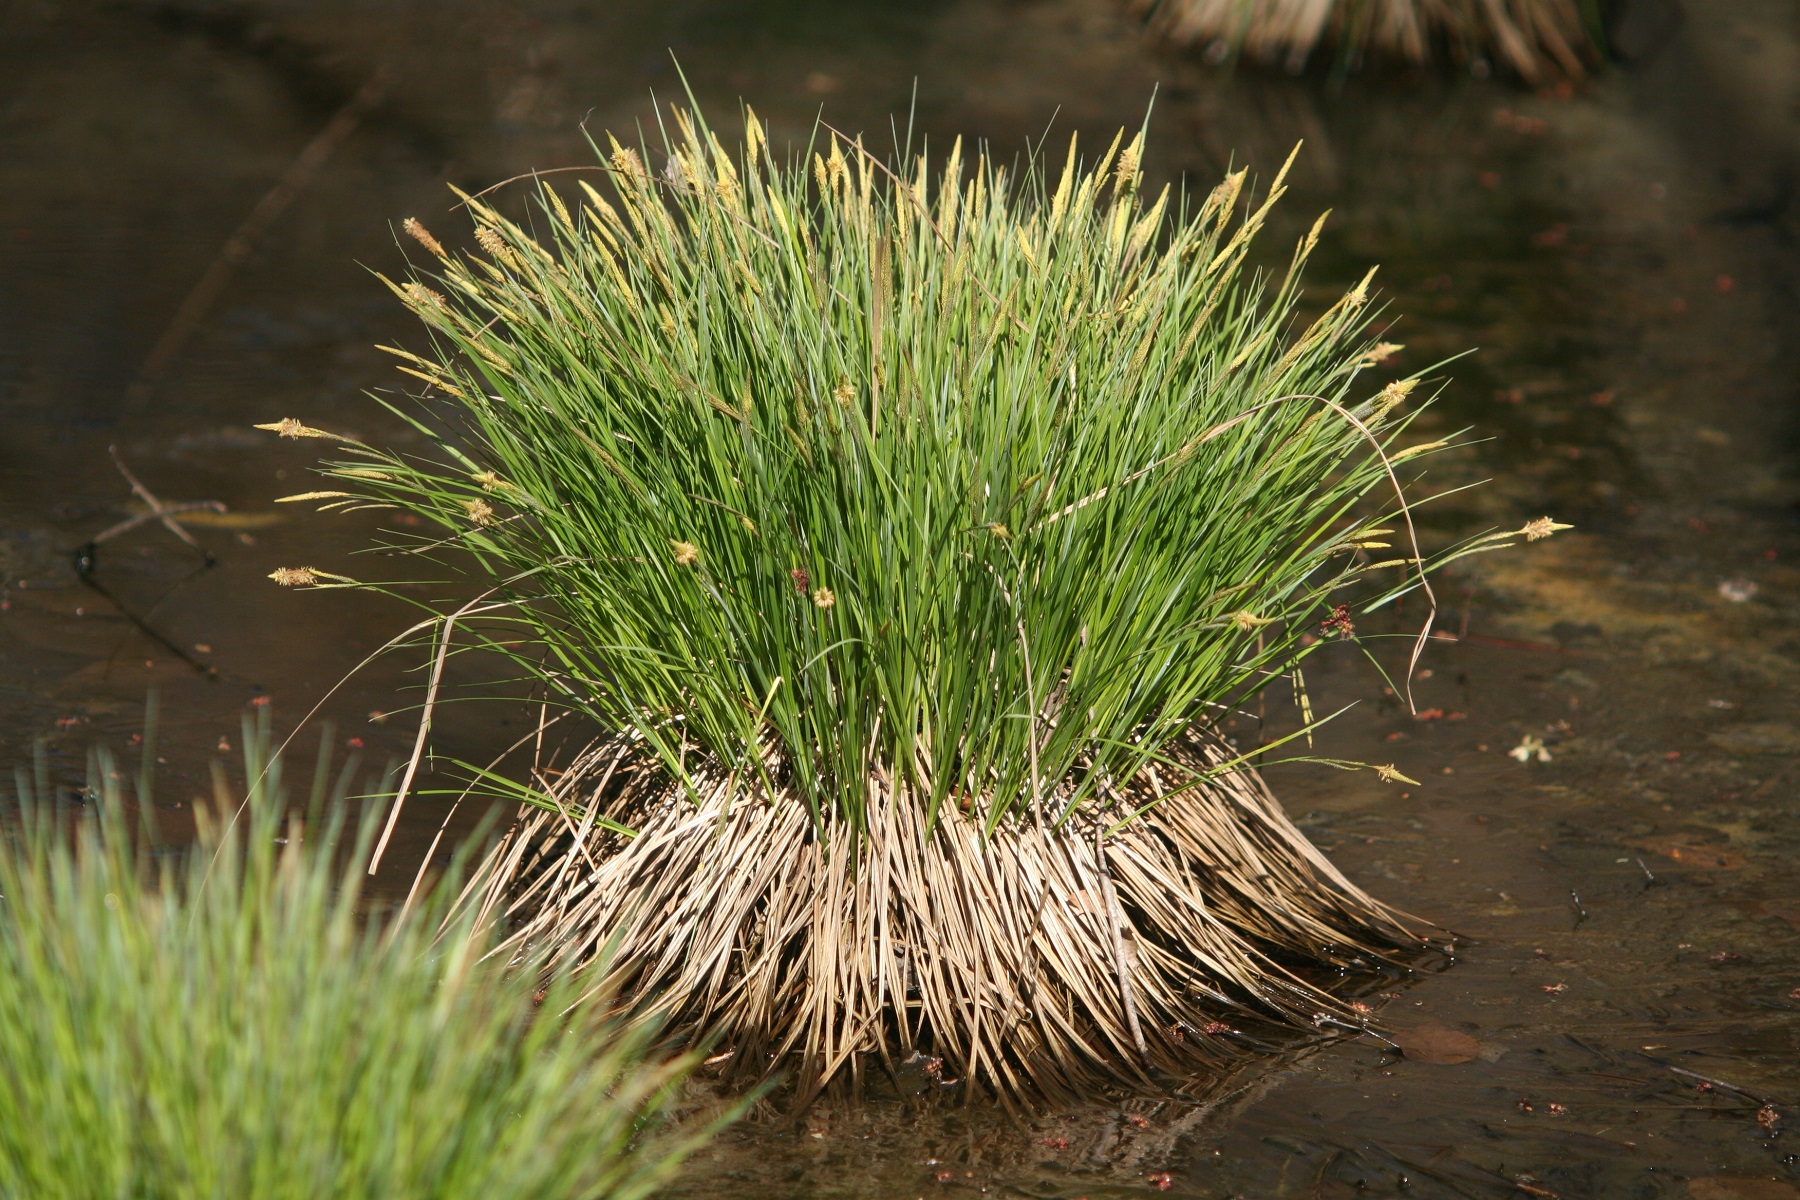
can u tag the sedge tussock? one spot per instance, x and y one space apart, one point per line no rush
1535 39
907 526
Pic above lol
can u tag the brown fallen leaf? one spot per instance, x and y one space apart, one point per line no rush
1439 1044
1690 854
1741 1187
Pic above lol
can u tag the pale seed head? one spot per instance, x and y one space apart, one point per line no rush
424 297
1543 527
313 496
294 576
1246 620
494 244
686 553
422 235
824 598
626 162
1391 396
1380 352
287 427
480 512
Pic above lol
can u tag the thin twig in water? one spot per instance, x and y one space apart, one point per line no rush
159 511
243 239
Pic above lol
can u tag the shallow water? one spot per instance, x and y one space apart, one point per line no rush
1622 257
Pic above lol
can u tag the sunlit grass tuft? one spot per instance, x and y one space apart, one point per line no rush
907 528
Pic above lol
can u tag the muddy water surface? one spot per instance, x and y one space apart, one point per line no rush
1608 742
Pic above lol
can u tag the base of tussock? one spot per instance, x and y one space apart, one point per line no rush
1035 962
1535 39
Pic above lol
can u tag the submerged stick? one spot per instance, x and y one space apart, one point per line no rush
243 239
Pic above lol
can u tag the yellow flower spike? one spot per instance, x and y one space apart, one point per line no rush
423 297
288 427
308 577
313 496
1379 352
1543 527
422 235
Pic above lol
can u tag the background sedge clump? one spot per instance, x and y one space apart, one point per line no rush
905 528
1537 40
235 1017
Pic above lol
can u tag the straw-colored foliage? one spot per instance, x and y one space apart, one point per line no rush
908 526
1536 39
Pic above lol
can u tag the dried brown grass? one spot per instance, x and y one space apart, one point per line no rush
1038 962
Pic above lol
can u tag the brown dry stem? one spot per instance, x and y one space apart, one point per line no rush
1041 962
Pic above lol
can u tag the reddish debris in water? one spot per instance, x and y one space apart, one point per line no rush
1055 1143
1138 1122
1555 1109
1524 1104
1554 989
1768 1116
1216 1027
1162 1181
945 1176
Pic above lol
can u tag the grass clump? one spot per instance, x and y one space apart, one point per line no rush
907 528
237 1019
1537 40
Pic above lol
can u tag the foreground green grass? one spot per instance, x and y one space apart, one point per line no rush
229 1021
